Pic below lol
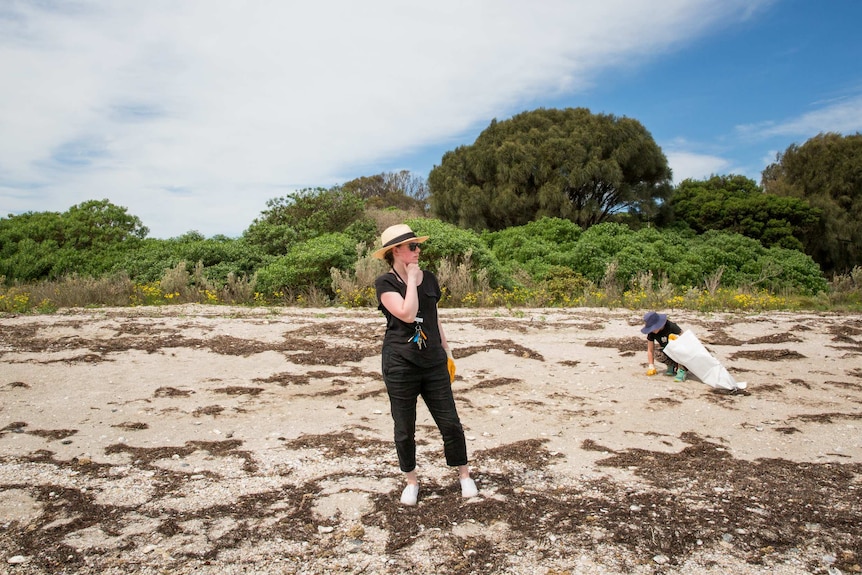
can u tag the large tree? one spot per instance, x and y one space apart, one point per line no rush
827 172
737 204
566 163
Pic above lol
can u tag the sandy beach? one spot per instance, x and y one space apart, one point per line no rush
211 439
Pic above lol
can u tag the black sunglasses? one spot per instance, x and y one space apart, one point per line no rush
412 246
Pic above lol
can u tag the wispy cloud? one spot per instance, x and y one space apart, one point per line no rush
843 116
192 114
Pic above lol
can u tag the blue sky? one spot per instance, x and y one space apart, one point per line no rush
193 114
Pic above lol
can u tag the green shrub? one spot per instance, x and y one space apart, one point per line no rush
306 214
535 247
28 261
788 270
597 248
635 259
221 257
450 242
86 240
307 265
362 231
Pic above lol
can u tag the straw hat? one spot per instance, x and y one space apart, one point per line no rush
395 236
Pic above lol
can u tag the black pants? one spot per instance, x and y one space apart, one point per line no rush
405 382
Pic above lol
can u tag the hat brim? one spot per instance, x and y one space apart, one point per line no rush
382 251
657 324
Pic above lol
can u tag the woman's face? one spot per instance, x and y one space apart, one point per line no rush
404 254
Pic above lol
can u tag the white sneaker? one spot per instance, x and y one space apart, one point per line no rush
410 494
468 488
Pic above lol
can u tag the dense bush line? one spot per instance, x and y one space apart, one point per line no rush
548 262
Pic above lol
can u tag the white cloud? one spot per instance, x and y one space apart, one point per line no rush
696 166
192 114
843 117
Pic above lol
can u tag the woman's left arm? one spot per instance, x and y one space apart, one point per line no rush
443 341
450 360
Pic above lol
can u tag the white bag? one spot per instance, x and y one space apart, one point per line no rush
688 351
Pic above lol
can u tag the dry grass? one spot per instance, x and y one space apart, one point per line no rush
238 290
74 291
392 216
462 280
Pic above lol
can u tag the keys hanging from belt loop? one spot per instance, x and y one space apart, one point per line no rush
418 336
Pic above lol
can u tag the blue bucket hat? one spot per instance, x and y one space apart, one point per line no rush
653 321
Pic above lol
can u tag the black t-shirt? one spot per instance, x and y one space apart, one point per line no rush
399 334
662 336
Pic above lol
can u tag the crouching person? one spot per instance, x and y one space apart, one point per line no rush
659 329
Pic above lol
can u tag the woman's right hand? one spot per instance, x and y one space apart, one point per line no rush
414 272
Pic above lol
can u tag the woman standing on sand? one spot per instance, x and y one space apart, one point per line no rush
416 359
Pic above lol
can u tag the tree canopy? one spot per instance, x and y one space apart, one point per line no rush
306 214
401 190
737 204
827 172
86 239
567 163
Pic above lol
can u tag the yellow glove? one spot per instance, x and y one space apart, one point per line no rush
450 364
672 337
651 370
